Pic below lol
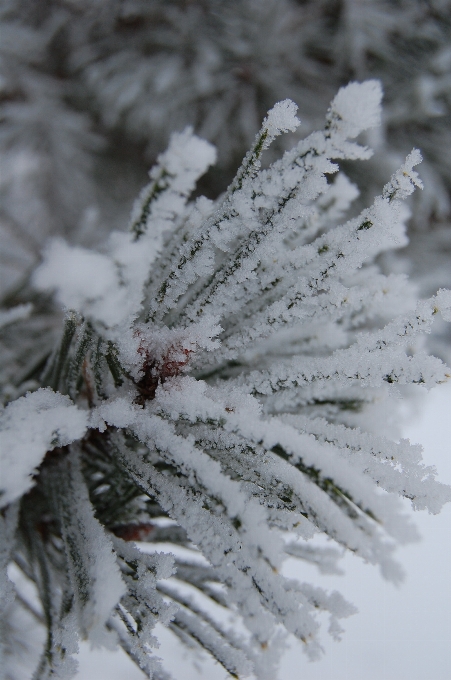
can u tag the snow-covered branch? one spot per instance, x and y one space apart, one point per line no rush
215 387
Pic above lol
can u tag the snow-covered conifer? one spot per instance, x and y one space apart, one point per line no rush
219 385
91 90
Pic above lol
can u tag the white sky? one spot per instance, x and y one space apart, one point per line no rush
398 634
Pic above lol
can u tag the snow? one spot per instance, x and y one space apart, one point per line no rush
443 302
187 155
404 179
29 427
281 118
357 107
243 351
84 281
383 641
95 575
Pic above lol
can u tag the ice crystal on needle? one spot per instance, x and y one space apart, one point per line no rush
221 370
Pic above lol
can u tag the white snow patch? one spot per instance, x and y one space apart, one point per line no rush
29 427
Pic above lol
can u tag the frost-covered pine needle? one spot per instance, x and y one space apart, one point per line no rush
222 385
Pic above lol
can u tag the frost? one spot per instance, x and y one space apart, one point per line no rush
281 118
93 570
29 427
83 280
443 300
357 107
228 362
405 179
186 156
173 179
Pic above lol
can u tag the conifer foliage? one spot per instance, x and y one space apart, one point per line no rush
90 91
216 387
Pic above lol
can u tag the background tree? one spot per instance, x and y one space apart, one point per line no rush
92 90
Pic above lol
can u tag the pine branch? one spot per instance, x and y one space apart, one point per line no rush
205 394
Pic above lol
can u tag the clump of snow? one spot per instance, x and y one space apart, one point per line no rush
84 281
281 118
356 107
117 412
187 155
29 427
